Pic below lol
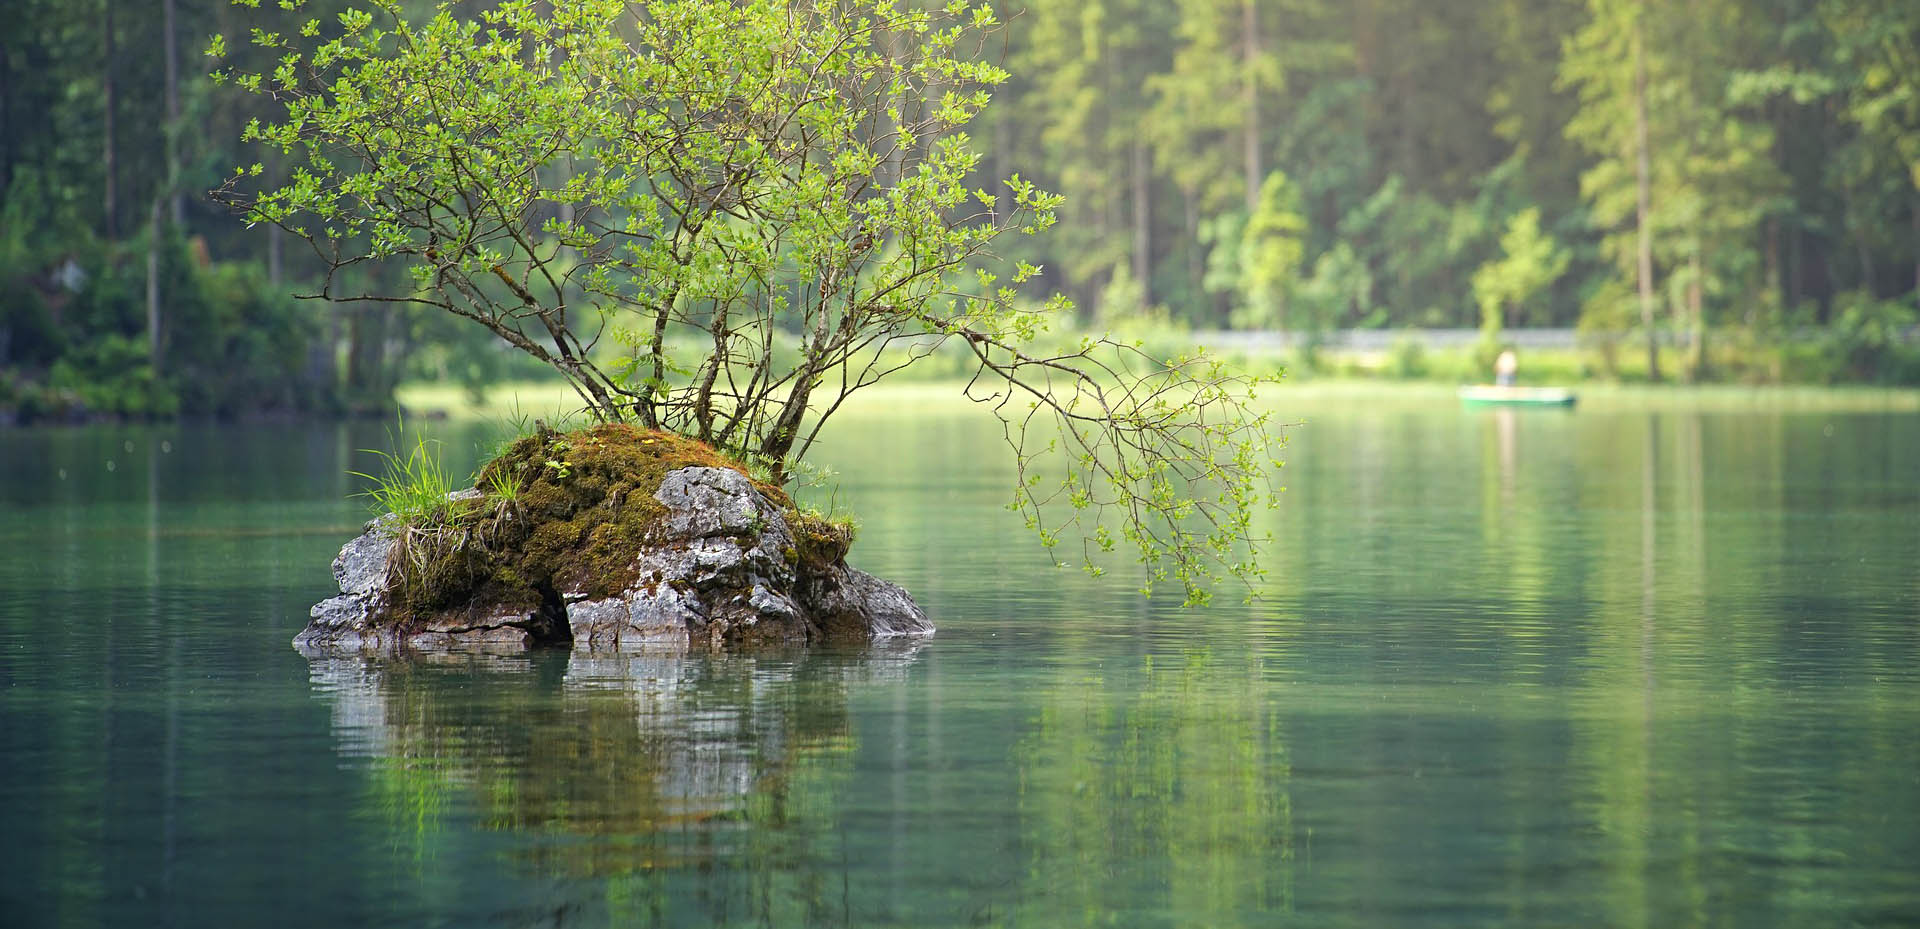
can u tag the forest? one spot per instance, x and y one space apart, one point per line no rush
1708 190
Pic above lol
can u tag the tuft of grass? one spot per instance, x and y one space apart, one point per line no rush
415 487
838 520
503 485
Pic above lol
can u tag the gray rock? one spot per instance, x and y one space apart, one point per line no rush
723 569
634 620
351 621
360 623
361 565
718 573
713 501
846 601
885 608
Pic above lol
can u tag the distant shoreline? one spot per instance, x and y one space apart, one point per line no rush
554 402
549 400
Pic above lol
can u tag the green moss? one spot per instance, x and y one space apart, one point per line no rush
818 540
582 506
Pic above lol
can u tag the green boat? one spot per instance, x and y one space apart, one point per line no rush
1489 395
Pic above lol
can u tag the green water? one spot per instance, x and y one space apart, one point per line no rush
1640 667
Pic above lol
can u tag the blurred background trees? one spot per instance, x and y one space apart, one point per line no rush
124 290
1741 166
1710 172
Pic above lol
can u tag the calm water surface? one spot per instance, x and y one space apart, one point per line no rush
1645 667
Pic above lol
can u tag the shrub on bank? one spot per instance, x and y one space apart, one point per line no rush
1867 342
74 340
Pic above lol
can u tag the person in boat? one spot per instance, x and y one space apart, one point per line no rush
1505 367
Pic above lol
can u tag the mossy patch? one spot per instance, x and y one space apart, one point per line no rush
557 512
819 542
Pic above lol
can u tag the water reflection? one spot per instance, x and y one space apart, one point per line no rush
639 761
1178 782
1621 668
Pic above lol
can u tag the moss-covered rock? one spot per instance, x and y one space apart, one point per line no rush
608 538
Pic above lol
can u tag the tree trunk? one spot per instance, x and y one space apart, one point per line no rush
897 158
1002 141
1775 274
153 287
107 191
390 354
1796 267
1196 272
1696 320
276 255
176 204
330 363
1250 23
1916 244
6 123
1142 223
1643 181
1867 273
361 363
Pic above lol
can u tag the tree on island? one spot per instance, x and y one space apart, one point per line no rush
722 218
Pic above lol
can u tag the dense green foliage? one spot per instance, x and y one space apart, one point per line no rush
746 176
1401 141
1438 162
124 290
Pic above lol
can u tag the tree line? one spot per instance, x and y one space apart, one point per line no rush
1648 170
1715 172
124 289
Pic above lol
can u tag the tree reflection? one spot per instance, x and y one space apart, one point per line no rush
1182 790
603 766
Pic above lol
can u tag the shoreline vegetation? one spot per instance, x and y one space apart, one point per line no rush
1335 375
1740 371
1811 373
1746 176
512 400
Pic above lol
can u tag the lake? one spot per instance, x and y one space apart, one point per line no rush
1649 663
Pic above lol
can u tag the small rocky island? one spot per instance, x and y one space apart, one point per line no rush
610 538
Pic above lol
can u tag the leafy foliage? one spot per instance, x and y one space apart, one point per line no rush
717 218
1530 262
1782 169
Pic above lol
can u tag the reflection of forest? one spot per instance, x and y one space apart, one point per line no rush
1184 784
661 760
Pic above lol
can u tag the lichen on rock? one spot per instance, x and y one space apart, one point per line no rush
610 538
